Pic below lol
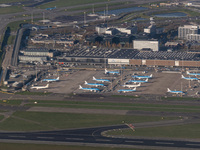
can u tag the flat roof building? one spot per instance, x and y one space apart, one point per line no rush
141 44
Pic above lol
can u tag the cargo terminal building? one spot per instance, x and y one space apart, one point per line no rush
130 57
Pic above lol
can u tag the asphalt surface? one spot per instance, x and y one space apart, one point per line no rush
94 136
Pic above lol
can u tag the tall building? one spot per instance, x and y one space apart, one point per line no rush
187 29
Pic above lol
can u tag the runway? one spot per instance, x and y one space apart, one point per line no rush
94 136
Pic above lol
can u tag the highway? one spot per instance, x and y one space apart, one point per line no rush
90 136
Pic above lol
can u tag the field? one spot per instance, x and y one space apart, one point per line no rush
188 131
118 106
10 1
11 9
30 121
64 3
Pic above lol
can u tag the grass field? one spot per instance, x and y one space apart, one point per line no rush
29 121
11 102
10 1
102 6
189 131
11 9
1 117
64 3
16 146
118 106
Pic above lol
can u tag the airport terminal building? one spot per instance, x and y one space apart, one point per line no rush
130 57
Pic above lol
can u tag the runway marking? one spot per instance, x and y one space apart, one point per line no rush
74 139
40 137
104 140
164 143
194 144
18 136
134 141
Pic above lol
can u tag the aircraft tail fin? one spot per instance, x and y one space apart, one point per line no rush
168 90
182 76
106 71
58 78
86 82
151 75
146 80
80 87
94 78
139 84
134 89
47 85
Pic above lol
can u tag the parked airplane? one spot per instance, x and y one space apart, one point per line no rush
89 89
131 85
40 87
193 74
51 8
51 80
142 77
189 78
138 81
176 92
101 80
126 90
94 84
111 72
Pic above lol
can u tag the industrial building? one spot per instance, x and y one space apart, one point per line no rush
146 44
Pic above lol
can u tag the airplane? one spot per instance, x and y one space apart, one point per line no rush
101 80
111 72
142 77
138 81
193 74
94 84
176 92
51 8
89 89
40 87
126 90
131 85
189 78
51 80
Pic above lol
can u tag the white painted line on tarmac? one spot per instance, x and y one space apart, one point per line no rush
74 139
102 140
164 143
42 137
18 136
194 144
134 141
